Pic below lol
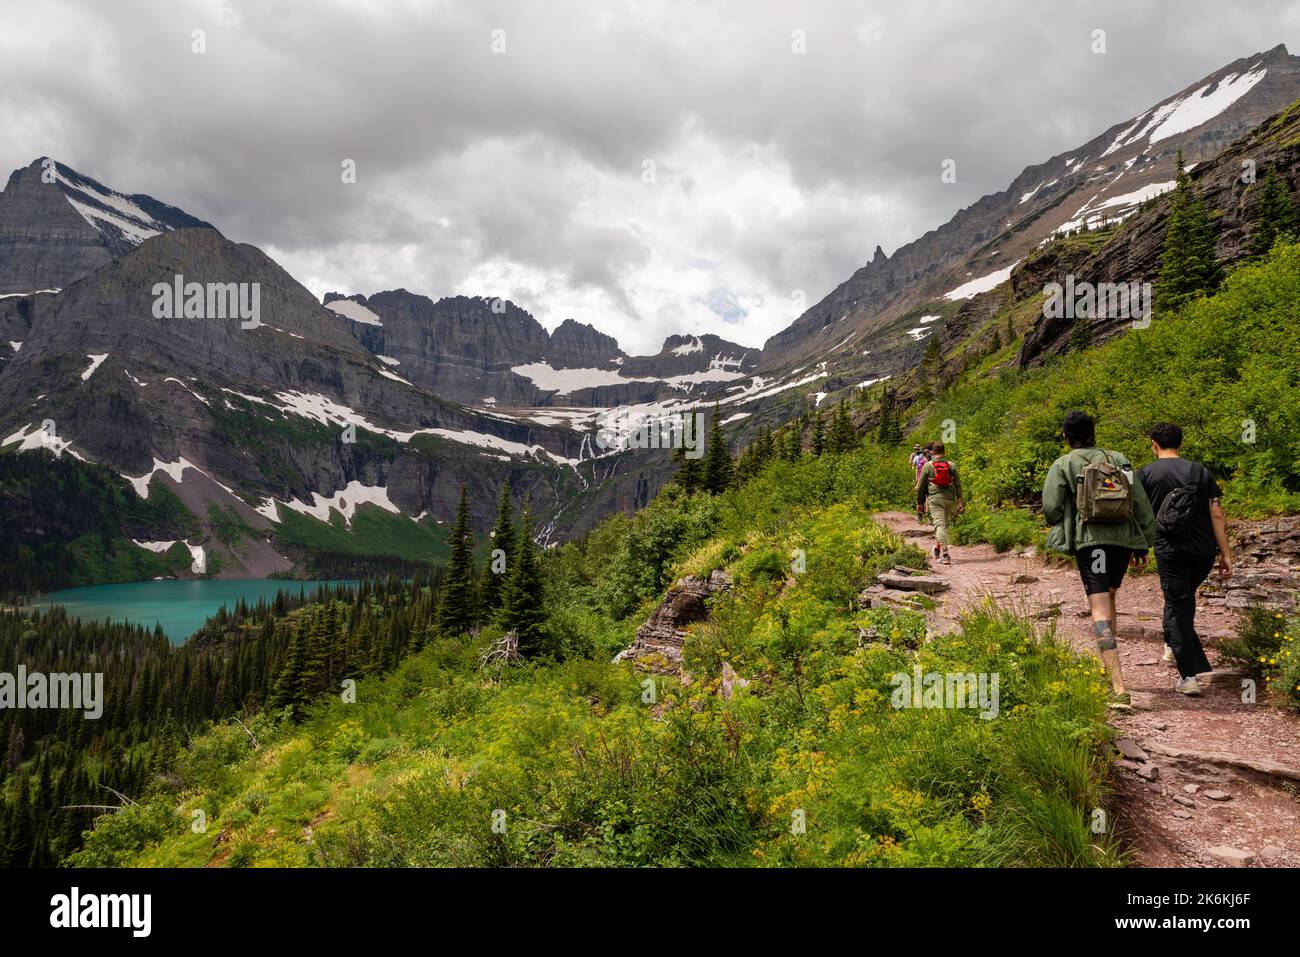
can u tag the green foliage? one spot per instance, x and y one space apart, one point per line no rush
1004 529
1275 216
522 607
1189 266
1225 367
889 432
374 533
1265 647
505 538
457 612
65 523
717 457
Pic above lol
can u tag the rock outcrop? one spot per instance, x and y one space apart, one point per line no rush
658 644
1266 566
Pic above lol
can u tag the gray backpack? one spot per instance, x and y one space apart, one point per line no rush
1104 492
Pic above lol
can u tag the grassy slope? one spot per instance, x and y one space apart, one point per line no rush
374 531
587 771
1225 367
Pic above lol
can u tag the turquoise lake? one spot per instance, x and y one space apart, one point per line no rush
180 606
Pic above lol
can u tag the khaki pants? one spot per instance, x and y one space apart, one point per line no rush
942 511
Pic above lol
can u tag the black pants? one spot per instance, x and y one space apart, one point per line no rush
1181 574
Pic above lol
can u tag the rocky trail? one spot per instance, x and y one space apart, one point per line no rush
1199 782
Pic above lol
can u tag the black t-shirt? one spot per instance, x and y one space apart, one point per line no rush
1163 476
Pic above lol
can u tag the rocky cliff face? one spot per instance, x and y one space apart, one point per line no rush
57 226
1134 255
291 417
492 354
867 328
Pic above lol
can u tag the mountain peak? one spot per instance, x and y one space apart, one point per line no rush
57 225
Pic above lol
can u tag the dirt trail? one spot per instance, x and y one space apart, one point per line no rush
1206 782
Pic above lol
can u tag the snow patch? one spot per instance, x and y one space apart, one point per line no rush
159 548
187 389
1203 105
549 379
968 290
354 311
95 362
174 470
40 439
345 502
19 295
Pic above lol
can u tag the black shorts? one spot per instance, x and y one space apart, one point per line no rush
1102 567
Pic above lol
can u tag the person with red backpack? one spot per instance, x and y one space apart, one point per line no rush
939 486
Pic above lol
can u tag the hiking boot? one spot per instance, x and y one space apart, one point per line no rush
1189 687
944 559
1169 654
1121 702
937 551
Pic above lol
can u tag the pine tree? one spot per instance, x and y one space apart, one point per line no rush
1275 214
843 437
792 442
819 434
890 430
522 607
927 374
290 685
690 471
717 458
1189 266
503 538
456 615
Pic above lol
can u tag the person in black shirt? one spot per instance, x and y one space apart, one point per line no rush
1186 557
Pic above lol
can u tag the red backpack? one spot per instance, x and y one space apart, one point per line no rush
942 473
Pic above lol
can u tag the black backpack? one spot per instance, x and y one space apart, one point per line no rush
1181 509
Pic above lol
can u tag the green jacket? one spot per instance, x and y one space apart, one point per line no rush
926 488
1068 533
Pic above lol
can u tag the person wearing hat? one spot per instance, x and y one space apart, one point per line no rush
1100 514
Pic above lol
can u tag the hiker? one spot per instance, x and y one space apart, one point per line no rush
1190 529
1101 515
938 486
918 460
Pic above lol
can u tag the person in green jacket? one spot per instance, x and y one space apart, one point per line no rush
1102 549
938 487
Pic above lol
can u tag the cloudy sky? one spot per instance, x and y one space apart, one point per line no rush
648 167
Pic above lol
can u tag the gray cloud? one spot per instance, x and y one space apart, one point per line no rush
521 173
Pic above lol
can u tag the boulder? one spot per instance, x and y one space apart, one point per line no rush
658 643
930 584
